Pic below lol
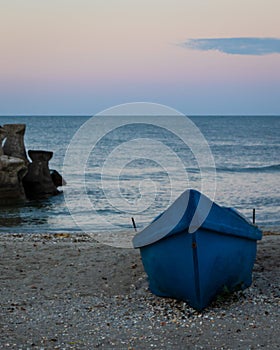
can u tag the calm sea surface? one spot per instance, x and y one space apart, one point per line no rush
124 179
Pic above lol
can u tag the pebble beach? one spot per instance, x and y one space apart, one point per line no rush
64 291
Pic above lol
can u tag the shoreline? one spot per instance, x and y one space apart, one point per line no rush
67 291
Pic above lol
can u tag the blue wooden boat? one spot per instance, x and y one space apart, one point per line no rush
197 264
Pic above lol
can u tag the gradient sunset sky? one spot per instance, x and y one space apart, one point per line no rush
82 56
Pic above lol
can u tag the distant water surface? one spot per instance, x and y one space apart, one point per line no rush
246 151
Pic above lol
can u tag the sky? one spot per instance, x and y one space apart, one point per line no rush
78 57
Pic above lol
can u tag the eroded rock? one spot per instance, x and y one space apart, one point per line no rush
38 182
14 144
3 135
20 179
57 178
12 171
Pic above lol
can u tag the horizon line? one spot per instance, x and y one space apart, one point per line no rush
187 115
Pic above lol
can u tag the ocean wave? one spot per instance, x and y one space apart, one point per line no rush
249 169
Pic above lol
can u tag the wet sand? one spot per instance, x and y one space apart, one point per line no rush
70 292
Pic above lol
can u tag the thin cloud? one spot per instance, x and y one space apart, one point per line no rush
236 46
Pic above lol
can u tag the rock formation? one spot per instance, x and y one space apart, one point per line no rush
3 135
12 170
14 144
20 179
38 182
57 178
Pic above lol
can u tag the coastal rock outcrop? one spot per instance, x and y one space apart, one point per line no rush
3 135
57 178
12 171
20 179
38 181
14 143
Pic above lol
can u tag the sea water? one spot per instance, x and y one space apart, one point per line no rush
136 183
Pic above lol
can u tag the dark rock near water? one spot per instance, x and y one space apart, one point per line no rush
14 144
57 178
38 182
20 179
3 135
12 167
12 171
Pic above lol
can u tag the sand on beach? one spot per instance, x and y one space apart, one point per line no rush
71 292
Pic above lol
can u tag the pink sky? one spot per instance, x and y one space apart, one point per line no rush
79 57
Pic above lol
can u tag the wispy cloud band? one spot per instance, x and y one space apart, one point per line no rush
236 46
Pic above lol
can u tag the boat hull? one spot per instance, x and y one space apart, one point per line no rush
197 267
